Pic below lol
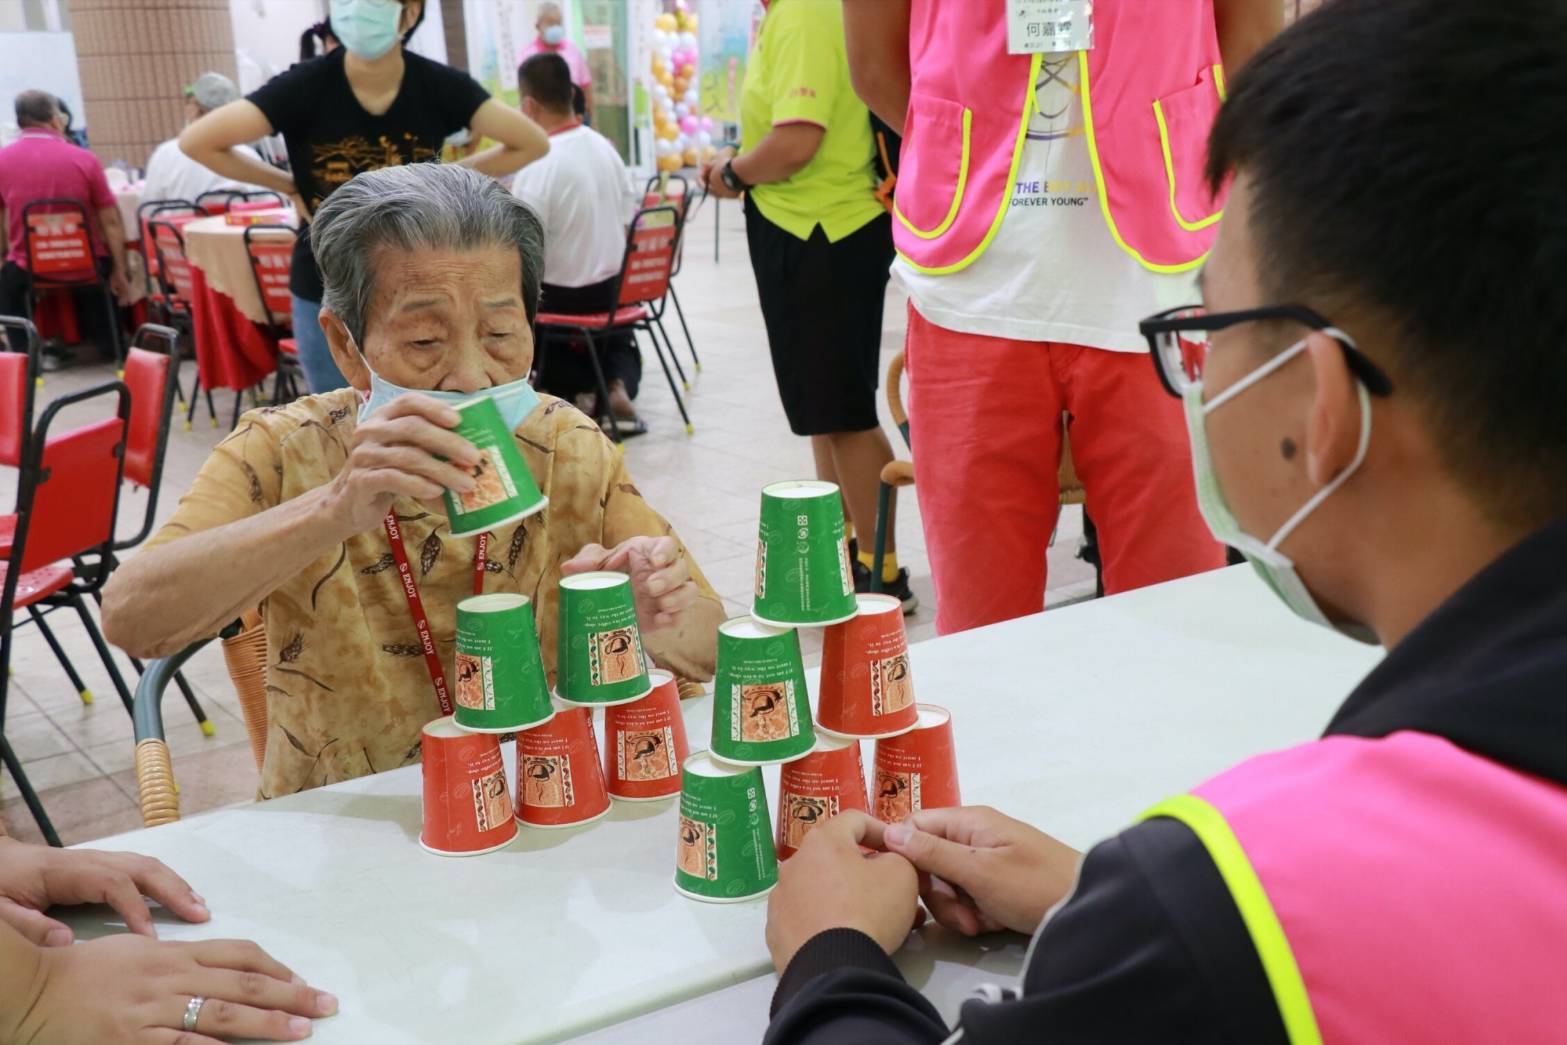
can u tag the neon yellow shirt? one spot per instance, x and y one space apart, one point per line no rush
799 73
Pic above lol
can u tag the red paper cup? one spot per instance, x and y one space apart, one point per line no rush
916 770
645 744
867 689
559 782
467 807
818 787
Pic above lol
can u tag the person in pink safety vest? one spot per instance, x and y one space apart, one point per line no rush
552 39
1372 384
1050 194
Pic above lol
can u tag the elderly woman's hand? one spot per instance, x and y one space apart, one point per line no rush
398 452
660 576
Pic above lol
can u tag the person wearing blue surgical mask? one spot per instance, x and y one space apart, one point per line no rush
1373 384
329 512
367 104
552 39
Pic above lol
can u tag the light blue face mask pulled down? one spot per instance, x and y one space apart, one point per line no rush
515 399
1275 568
368 28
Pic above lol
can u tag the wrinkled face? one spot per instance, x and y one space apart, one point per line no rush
440 319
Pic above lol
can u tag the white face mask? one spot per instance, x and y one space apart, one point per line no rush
515 399
1274 567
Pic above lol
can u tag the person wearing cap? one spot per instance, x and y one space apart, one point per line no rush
321 510
1372 384
171 175
552 39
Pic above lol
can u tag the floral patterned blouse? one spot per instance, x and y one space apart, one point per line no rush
348 689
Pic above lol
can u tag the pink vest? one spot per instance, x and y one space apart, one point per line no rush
1409 891
1150 88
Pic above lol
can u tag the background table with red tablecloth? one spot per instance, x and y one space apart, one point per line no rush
233 348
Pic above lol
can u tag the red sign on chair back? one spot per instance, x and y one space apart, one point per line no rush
651 256
14 382
271 259
60 246
174 268
146 374
78 490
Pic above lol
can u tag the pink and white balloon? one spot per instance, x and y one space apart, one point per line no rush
682 137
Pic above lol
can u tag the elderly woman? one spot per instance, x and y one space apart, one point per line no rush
432 277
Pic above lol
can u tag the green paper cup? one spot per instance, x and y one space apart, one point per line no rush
499 685
506 491
725 853
803 574
599 659
761 710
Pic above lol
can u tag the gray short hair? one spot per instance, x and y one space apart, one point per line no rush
421 206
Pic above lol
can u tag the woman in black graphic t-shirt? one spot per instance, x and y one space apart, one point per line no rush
366 105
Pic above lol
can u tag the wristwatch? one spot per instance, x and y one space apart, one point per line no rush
730 179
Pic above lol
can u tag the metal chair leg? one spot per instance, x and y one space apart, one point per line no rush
680 314
117 341
14 766
668 376
239 403
59 654
684 383
103 652
879 549
598 376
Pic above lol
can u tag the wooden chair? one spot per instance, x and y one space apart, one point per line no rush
900 473
245 654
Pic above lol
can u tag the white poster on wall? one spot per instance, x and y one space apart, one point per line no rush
37 61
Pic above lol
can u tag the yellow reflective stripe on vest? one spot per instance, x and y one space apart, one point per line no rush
1169 161
1006 195
957 196
1099 179
1267 935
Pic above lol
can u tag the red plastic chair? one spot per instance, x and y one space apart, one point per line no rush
66 506
643 281
146 214
674 190
57 239
179 291
18 379
270 249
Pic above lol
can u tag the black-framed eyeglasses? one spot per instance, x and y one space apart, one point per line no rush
1178 340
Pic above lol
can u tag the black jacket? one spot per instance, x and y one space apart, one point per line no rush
1150 947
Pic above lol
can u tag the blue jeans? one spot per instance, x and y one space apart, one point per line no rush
321 372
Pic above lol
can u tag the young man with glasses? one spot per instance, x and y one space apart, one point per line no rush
1374 389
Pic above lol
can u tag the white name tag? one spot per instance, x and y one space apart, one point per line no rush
1049 26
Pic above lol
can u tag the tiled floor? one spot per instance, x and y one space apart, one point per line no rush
80 757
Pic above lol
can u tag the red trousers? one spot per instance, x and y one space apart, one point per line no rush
985 417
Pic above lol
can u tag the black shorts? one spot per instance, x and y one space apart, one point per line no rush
822 303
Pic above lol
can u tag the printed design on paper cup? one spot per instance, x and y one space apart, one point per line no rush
614 656
761 569
491 803
698 849
845 574
803 812
891 687
492 482
546 781
646 754
475 683
763 712
897 795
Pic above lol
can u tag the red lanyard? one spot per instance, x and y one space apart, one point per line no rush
432 659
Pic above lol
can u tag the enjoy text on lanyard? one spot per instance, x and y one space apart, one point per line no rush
405 574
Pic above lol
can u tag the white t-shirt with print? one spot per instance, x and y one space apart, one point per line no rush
1053 272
